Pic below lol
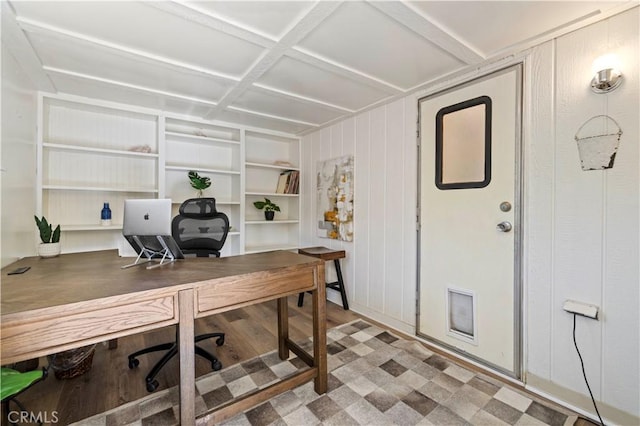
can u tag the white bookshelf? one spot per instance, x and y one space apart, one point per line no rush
210 150
267 156
91 152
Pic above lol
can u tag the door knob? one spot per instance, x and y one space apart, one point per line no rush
504 226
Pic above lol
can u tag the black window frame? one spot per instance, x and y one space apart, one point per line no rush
481 100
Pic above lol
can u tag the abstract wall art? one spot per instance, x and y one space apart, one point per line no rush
334 194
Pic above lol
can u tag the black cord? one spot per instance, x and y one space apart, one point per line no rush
583 372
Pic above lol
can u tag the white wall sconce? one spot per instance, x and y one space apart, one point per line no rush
607 75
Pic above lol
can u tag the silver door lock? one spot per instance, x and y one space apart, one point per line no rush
504 226
505 206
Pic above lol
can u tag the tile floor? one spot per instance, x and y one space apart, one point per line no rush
376 378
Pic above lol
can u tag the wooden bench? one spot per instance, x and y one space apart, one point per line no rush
327 254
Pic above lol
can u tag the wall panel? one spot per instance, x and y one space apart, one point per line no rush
393 207
18 205
361 207
376 213
579 208
621 280
539 164
407 212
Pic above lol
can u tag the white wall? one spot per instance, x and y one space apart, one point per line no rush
18 158
380 267
581 228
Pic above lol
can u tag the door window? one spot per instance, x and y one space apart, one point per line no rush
463 144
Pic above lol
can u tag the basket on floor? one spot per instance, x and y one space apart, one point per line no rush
72 363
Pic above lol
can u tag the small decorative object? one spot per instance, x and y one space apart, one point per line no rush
50 246
598 151
105 215
269 208
199 183
145 149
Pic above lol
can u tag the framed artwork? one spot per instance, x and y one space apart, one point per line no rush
334 196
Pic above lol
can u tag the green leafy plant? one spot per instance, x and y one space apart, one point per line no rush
267 205
14 382
198 182
47 233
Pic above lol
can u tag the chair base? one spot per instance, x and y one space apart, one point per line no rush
172 350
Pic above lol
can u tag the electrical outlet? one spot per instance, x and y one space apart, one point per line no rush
581 308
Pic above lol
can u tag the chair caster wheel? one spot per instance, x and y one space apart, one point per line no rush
152 385
133 363
220 341
216 365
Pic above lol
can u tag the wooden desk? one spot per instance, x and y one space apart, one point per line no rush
78 299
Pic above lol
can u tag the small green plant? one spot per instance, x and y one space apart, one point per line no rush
47 233
267 205
200 183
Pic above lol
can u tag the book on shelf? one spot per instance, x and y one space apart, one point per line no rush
288 182
282 183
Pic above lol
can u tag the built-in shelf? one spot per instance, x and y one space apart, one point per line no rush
102 151
97 227
202 170
198 138
86 158
218 203
271 222
271 194
270 166
98 188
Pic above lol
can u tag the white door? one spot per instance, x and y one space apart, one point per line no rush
469 297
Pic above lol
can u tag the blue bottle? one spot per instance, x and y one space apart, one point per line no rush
105 215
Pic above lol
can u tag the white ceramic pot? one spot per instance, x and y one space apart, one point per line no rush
49 249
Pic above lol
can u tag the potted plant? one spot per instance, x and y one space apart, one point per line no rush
268 207
50 246
199 183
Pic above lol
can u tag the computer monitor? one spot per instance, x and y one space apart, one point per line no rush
147 227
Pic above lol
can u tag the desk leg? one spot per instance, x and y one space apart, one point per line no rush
319 297
283 328
187 358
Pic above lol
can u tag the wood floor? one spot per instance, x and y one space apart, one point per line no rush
250 331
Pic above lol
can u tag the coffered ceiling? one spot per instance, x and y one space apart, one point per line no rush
287 66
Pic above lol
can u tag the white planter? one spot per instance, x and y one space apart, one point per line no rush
49 249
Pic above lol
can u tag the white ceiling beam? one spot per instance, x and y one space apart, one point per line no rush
128 85
314 17
192 12
310 101
326 64
18 44
275 117
428 30
49 30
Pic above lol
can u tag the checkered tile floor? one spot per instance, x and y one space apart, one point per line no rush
375 378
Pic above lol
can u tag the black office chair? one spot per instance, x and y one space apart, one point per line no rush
201 230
